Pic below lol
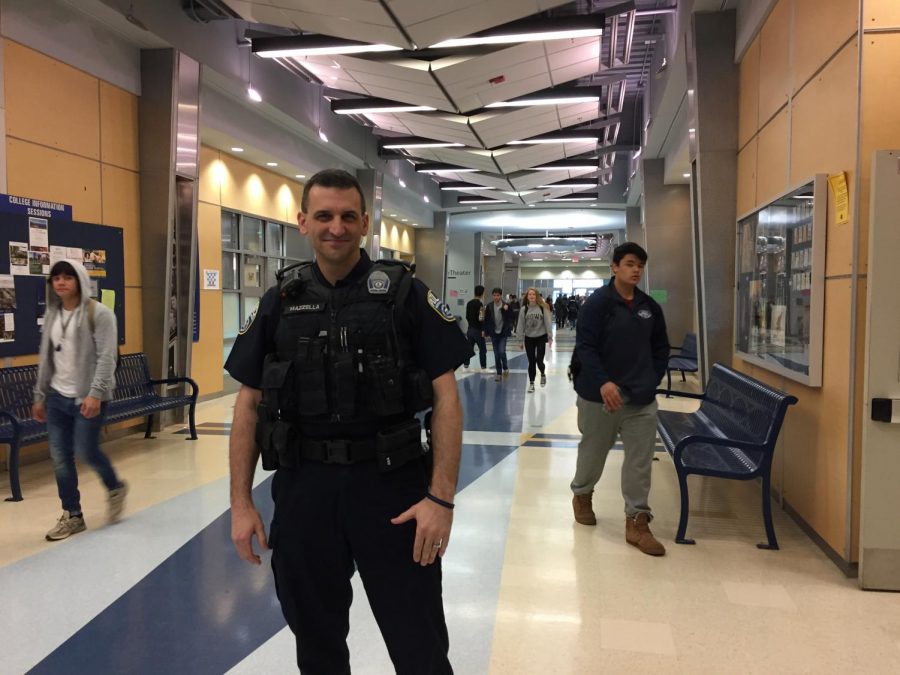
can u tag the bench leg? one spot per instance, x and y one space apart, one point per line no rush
772 544
683 378
668 382
14 485
682 520
149 428
191 422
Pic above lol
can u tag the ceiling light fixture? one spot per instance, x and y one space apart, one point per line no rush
579 136
402 183
237 149
532 30
323 136
254 95
460 186
570 198
415 142
573 184
300 175
686 175
364 106
552 97
313 45
426 199
442 168
479 200
271 163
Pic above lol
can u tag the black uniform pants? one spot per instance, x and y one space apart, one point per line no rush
535 348
331 519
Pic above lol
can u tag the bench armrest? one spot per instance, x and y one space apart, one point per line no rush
685 394
179 380
715 440
12 420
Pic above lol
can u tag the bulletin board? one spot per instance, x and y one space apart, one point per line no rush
102 253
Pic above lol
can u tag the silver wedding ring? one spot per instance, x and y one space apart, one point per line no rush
438 544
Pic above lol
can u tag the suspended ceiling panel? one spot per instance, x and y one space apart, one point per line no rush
527 156
431 22
480 160
363 20
532 179
427 126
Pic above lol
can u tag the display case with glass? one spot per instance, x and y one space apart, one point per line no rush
780 288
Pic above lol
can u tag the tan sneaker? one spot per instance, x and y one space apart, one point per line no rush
65 527
584 512
637 533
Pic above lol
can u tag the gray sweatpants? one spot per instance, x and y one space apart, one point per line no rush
599 428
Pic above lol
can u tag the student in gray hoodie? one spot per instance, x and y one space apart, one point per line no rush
76 378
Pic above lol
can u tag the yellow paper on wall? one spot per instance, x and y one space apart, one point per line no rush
838 184
108 298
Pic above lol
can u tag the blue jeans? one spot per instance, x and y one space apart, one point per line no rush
499 344
72 434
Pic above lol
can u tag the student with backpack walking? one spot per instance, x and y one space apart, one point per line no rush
76 378
535 326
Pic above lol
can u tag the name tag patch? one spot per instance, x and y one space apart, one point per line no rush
300 309
440 307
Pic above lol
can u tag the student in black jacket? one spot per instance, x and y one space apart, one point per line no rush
621 350
475 327
498 322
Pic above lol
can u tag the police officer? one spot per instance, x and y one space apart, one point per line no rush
334 364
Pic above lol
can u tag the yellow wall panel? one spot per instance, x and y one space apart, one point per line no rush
746 187
69 120
859 397
881 14
816 479
820 28
774 61
118 127
880 121
134 322
212 168
824 110
772 170
748 116
122 208
206 358
37 171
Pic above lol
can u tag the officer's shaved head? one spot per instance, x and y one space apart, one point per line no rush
332 178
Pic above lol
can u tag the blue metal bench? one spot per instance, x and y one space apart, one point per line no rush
685 361
732 435
135 396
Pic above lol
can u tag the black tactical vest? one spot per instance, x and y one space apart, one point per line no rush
343 365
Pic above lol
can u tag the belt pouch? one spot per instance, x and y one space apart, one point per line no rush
384 388
309 377
398 445
264 428
285 444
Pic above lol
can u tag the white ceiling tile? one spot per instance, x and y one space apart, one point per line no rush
432 22
471 159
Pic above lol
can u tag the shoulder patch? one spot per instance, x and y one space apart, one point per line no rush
249 322
645 313
440 307
379 283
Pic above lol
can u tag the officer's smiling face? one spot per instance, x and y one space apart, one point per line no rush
335 224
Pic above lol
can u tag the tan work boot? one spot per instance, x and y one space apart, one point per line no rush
584 513
637 533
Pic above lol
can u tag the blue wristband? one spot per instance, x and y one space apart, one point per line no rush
446 505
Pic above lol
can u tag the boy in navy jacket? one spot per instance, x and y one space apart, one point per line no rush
621 351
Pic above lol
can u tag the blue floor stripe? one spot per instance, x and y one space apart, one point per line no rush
203 610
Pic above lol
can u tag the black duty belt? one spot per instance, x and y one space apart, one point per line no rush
338 451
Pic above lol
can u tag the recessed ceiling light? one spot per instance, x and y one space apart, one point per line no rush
253 95
271 163
237 149
686 175
474 208
405 220
426 199
300 175
415 224
393 215
691 130
365 106
323 136
402 183
531 206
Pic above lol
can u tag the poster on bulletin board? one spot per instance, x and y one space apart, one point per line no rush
40 233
